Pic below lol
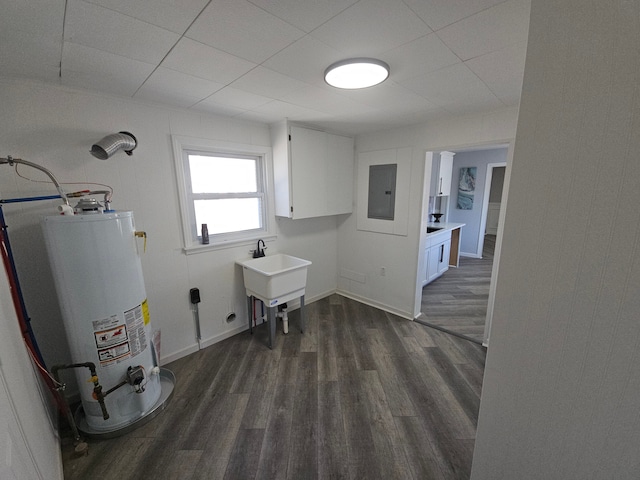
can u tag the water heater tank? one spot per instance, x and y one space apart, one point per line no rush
98 278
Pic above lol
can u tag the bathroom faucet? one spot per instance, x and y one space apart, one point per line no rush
259 252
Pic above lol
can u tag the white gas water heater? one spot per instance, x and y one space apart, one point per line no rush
96 265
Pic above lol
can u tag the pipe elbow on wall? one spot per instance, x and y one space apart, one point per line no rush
112 143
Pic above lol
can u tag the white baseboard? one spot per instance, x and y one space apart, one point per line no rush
204 343
470 255
179 354
372 303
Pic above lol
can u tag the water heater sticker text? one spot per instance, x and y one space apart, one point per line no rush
134 319
106 323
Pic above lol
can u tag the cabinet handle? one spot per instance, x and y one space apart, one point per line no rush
441 253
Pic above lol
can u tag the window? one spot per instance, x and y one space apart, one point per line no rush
223 186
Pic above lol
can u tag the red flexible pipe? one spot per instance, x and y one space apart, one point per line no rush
22 321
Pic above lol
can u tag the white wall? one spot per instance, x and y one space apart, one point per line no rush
55 127
364 252
472 218
561 391
29 446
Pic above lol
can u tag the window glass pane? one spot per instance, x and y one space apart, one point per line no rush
228 214
217 174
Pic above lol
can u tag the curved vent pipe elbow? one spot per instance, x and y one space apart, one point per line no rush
112 143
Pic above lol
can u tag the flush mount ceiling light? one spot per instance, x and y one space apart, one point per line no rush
356 73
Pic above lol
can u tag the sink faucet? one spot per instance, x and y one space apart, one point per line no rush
259 252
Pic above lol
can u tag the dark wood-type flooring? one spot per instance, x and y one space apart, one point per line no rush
362 394
457 301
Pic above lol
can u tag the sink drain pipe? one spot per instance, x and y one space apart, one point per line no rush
282 313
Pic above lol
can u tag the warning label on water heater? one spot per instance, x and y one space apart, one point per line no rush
114 354
112 336
112 340
120 337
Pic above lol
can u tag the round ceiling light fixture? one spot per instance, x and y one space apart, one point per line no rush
356 73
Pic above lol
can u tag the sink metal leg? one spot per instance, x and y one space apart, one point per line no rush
302 314
271 316
250 312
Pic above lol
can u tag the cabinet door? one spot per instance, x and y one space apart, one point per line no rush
433 261
443 256
340 164
308 172
313 172
445 173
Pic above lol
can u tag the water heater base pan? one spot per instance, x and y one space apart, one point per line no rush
167 384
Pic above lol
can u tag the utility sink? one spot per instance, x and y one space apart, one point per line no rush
275 279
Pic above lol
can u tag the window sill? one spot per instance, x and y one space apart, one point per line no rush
249 242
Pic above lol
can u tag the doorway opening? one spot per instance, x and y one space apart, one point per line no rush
460 302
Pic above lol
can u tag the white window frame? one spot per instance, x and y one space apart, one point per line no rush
182 146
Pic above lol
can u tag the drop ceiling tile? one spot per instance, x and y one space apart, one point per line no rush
262 117
502 72
31 39
490 30
39 55
200 60
420 116
266 82
172 15
390 98
304 14
288 110
370 27
183 89
238 99
352 124
419 57
243 30
103 29
180 99
305 60
316 98
42 17
440 13
452 88
208 106
93 69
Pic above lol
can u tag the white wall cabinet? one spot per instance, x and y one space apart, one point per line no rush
313 172
445 174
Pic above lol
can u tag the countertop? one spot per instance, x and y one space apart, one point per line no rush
444 226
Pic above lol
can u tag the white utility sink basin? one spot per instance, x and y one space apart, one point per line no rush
275 279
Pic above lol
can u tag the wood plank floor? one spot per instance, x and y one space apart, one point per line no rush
457 301
362 394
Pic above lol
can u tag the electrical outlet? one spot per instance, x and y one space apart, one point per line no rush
383 271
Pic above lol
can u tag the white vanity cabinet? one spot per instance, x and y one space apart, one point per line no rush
437 255
313 172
